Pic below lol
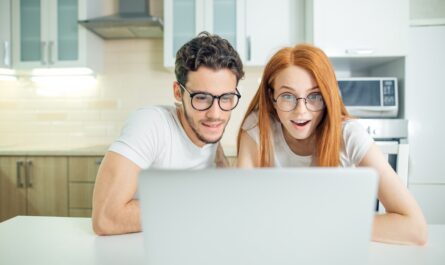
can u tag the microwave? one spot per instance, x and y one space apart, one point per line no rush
370 97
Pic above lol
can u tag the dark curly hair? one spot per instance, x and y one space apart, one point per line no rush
210 51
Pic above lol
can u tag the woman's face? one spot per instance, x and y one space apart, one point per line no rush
293 85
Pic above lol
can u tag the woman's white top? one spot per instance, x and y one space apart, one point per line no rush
356 142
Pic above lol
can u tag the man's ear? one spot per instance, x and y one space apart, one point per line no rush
177 91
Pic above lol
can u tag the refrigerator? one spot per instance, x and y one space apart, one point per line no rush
425 110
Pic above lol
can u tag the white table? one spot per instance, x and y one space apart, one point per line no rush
68 240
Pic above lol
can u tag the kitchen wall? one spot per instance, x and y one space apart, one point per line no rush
83 114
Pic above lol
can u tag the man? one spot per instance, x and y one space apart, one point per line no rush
187 136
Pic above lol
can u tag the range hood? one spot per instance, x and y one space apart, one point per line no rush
132 22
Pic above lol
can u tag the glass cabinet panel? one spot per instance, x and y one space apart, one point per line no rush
224 19
30 31
67 30
184 23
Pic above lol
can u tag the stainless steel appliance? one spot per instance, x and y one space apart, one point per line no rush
132 21
391 135
370 97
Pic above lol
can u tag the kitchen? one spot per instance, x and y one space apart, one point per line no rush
67 125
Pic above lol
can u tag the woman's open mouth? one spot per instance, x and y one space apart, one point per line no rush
300 124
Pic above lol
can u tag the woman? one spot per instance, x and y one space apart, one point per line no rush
297 119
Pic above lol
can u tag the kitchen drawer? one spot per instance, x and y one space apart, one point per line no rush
431 198
81 195
83 168
80 212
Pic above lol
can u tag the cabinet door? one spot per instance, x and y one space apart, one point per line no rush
183 20
5 34
221 19
46 33
268 28
64 38
82 173
47 186
359 28
30 33
423 106
12 187
83 169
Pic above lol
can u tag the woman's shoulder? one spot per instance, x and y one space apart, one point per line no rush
353 126
356 140
251 121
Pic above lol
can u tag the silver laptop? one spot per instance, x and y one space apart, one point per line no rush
259 216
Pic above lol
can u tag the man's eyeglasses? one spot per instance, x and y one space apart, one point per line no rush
203 101
288 101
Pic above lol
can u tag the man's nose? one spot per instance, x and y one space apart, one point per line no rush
215 111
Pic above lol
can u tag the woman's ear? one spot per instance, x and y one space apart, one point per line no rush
177 91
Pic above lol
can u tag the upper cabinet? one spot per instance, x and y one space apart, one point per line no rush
246 24
344 28
184 19
46 34
5 34
269 26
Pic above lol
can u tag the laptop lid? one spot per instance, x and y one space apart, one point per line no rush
257 216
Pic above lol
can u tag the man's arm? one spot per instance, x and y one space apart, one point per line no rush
115 211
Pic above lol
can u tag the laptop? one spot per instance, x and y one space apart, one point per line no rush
257 216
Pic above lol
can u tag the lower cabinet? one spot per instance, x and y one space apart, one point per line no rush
33 185
49 185
82 173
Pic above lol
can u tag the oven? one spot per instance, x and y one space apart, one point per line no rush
391 135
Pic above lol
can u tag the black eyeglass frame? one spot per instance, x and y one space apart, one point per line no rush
192 95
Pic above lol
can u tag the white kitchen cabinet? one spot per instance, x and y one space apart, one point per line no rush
46 34
345 28
255 28
268 27
184 19
5 34
424 94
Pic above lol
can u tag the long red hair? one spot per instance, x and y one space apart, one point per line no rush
329 131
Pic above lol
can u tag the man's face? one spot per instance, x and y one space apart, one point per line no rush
205 126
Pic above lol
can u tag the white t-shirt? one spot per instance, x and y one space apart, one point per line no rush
153 137
356 143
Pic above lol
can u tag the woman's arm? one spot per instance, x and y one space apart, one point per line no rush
248 156
403 222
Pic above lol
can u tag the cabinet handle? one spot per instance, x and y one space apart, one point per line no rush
249 48
50 52
28 170
19 165
359 51
42 55
7 54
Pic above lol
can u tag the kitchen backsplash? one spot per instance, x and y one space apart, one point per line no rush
133 76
